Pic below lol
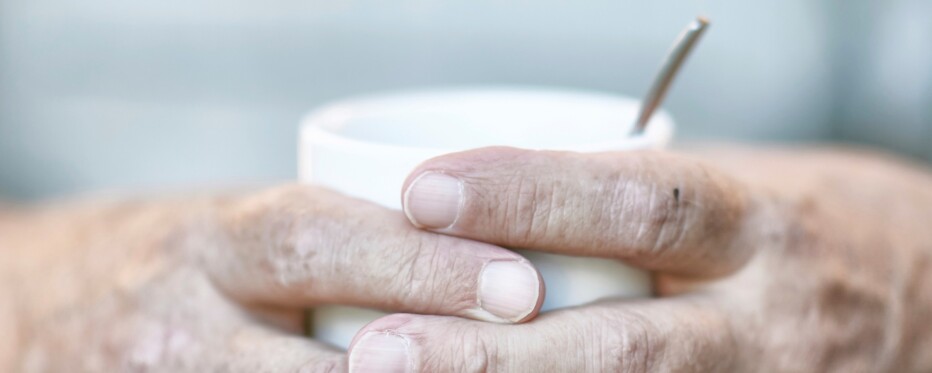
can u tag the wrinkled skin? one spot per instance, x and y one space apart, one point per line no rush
217 284
115 286
765 260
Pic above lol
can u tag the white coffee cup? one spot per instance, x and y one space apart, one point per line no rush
366 147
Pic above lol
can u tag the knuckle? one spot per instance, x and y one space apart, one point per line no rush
154 344
276 199
652 216
280 233
287 246
428 280
530 209
263 208
473 351
288 199
698 207
664 219
629 347
413 283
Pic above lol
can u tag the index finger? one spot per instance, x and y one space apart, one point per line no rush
654 210
302 246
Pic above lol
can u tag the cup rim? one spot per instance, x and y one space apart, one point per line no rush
321 122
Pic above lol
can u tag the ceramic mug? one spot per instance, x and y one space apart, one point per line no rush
366 147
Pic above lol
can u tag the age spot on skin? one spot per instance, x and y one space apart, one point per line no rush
676 194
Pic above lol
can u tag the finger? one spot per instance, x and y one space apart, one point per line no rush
673 334
304 246
651 209
164 327
258 349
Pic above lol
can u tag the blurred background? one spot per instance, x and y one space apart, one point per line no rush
146 95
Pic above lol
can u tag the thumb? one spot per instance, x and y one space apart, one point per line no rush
673 334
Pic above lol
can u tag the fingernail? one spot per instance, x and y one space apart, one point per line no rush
379 352
509 289
433 200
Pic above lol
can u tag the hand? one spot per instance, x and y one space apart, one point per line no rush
221 284
774 260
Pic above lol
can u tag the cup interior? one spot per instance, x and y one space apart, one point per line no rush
470 118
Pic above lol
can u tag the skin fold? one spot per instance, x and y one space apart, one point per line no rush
765 259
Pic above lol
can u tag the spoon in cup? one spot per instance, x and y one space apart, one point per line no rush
671 65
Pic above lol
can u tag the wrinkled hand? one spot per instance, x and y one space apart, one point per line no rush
765 260
221 284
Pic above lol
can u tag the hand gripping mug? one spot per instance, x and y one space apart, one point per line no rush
366 147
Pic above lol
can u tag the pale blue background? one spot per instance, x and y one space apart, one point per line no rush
141 95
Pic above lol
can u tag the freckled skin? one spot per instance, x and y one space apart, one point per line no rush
765 259
798 259
843 279
114 286
218 283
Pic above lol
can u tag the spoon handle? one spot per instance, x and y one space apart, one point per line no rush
671 65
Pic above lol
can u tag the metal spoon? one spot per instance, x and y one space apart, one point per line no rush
671 65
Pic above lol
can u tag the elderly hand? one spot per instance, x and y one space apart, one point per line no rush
221 284
765 260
